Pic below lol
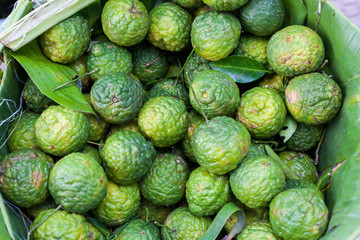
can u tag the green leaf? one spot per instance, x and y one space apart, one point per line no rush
48 75
295 12
286 170
241 69
289 128
100 226
92 12
220 220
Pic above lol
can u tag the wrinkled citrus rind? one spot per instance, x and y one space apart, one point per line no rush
79 66
274 81
94 233
92 152
139 229
195 65
35 100
258 230
130 126
252 46
305 137
300 183
225 5
189 3
149 211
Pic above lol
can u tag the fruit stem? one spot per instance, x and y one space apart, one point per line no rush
286 170
156 59
31 230
95 143
318 147
76 79
183 67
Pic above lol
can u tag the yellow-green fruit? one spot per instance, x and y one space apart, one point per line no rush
95 234
274 81
214 94
119 205
169 27
295 50
79 66
305 137
195 66
92 152
181 224
165 182
66 41
207 193
252 46
262 111
125 22
108 57
60 131
34 211
78 183
220 144
164 120
313 98
149 211
256 181
211 30
200 10
300 164
21 132
24 177
130 126
35 100
225 5
139 229
189 3
258 230
60 225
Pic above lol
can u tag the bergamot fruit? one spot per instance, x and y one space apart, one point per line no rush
127 157
34 211
300 164
256 181
92 152
262 111
117 97
189 3
298 214
130 126
214 93
207 193
262 17
256 149
252 46
107 57
78 183
79 66
195 66
313 98
211 30
139 229
165 182
60 130
94 233
150 63
181 224
164 120
24 177
35 100
195 120
299 183
60 225
305 137
258 230
154 213
119 205
21 132
67 40
125 22
169 27
171 88
295 50
225 5
274 81
221 144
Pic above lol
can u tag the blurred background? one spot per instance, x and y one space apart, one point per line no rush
351 8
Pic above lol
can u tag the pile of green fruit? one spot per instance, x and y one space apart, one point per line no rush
175 140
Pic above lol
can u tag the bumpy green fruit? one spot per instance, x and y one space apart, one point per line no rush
60 131
262 111
35 210
107 57
139 229
21 132
66 41
300 165
127 157
214 93
130 126
262 17
225 5
298 214
92 152
189 3
256 149
149 211
253 47
195 66
119 205
117 97
169 27
79 66
221 144
78 183
149 63
299 183
195 120
207 193
274 81
211 30
95 234
258 230
256 181
35 100
125 22
295 50
60 225
24 177
305 137
181 224
164 120
313 98
165 182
